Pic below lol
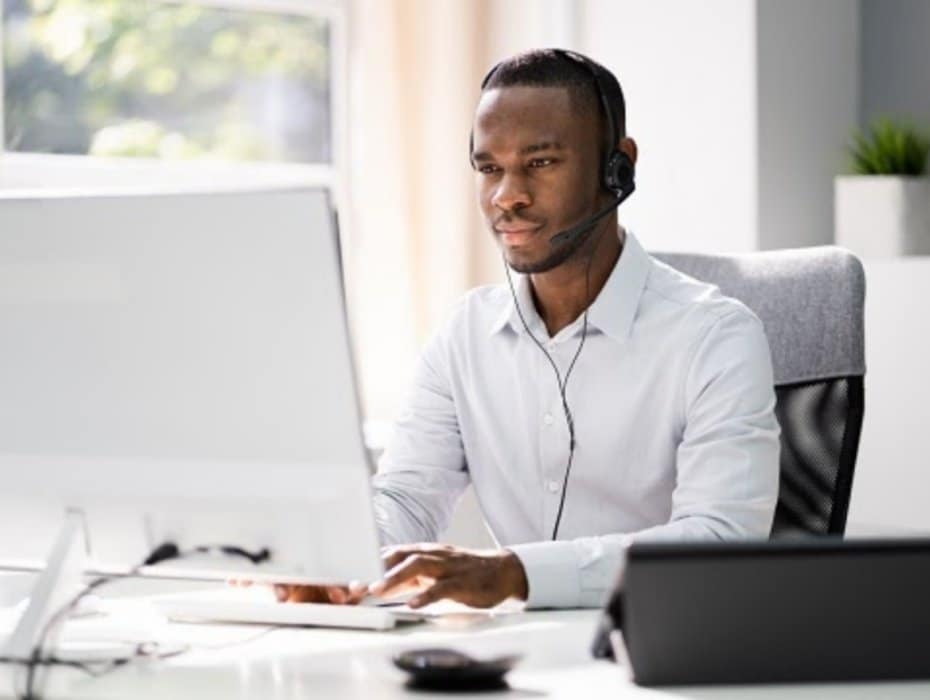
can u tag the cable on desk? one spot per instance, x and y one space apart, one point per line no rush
164 552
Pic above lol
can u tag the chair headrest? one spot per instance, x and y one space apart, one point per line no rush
811 301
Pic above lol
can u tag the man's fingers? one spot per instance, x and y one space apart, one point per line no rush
357 592
392 556
439 590
396 555
414 566
407 571
300 594
311 594
337 595
413 585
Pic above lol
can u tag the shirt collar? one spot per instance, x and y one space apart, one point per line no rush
612 312
510 315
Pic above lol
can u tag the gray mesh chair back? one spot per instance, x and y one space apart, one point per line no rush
811 301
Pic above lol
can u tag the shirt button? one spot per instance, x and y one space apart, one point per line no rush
553 486
547 419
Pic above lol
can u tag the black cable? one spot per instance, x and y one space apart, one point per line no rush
571 451
562 384
36 656
169 550
229 550
53 661
96 669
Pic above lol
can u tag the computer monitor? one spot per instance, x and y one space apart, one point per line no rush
178 367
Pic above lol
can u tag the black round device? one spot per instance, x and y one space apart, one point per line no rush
452 671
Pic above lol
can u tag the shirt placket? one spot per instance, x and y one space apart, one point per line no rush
553 436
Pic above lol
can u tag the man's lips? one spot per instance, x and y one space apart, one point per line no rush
517 234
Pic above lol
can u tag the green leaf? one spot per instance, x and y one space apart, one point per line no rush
889 148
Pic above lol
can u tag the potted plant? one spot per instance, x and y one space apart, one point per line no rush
883 208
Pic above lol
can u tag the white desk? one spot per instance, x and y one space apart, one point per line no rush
334 664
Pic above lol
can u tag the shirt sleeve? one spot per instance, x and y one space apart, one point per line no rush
727 470
422 473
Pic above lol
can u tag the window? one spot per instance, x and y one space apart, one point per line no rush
168 80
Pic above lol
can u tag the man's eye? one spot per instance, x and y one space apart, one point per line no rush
487 169
541 162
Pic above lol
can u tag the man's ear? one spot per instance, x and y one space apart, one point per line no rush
628 146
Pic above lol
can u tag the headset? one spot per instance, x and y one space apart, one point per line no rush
617 176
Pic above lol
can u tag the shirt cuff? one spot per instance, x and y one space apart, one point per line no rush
552 574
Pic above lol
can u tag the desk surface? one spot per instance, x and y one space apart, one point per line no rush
233 661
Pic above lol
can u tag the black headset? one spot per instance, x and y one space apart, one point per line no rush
617 177
617 169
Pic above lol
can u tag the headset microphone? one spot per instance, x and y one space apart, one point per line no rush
569 235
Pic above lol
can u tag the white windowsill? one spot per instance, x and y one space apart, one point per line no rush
28 171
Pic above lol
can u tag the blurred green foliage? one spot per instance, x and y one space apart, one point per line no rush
889 148
165 79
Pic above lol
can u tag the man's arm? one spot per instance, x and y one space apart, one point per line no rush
727 469
420 479
422 473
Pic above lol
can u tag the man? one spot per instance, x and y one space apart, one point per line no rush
651 389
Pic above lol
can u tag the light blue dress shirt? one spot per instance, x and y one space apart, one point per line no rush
676 436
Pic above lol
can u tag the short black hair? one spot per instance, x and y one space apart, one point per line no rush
558 68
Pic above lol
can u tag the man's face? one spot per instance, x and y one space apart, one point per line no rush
537 161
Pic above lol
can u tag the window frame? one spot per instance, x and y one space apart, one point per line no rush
332 175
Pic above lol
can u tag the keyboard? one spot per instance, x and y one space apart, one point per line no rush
259 607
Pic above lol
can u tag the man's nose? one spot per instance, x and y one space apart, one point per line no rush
511 193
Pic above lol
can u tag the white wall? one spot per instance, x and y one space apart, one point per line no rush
808 96
688 73
741 110
896 59
891 487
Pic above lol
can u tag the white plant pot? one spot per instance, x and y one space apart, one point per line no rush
883 216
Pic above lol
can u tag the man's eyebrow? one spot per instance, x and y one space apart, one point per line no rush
541 146
484 156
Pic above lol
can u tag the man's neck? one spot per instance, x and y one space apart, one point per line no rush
561 295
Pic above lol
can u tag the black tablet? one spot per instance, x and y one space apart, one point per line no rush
819 609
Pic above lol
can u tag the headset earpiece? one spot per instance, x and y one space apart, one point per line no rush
618 174
617 169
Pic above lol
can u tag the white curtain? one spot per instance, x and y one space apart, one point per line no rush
416 241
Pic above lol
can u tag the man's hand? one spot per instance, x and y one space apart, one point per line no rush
337 595
480 578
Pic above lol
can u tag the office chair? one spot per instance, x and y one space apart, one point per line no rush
811 302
